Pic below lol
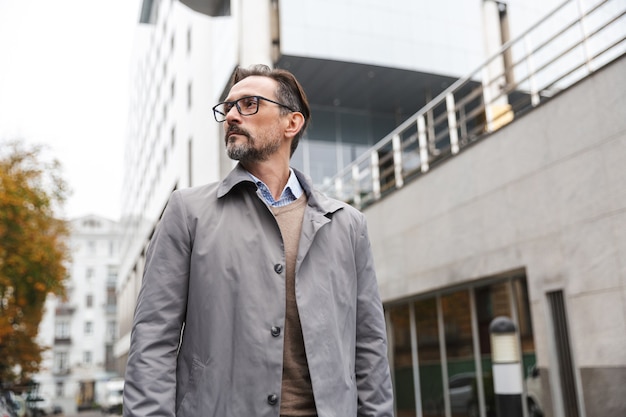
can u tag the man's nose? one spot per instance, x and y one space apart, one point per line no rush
233 114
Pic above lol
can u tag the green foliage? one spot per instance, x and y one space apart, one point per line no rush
33 253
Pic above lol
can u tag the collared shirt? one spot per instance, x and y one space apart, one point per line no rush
291 192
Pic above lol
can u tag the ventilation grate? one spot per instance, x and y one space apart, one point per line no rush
564 353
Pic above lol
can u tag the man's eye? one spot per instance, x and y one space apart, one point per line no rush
248 102
227 107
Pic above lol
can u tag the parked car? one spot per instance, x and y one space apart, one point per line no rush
464 398
113 396
5 409
14 403
42 406
464 395
535 393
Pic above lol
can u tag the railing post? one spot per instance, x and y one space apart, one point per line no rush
495 74
430 132
357 185
421 136
375 174
583 29
339 188
487 101
532 81
397 160
452 127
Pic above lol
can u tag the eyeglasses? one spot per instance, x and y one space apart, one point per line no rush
246 106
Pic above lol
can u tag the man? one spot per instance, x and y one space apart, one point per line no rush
259 296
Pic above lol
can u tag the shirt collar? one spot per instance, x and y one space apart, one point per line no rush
316 200
292 191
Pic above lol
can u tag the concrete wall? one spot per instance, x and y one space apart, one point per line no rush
546 193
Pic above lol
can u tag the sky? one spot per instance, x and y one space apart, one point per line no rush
64 84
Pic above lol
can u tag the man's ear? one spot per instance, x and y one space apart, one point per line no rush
296 122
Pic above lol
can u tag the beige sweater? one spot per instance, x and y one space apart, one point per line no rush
297 392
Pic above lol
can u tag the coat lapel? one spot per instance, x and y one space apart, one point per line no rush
319 211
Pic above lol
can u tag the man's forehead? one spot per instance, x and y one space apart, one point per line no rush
252 86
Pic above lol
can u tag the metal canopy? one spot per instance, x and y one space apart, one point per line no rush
362 86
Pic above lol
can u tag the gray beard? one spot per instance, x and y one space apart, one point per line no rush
246 152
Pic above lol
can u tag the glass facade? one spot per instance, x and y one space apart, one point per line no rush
336 137
429 356
402 360
440 348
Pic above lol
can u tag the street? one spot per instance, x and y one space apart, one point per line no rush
90 413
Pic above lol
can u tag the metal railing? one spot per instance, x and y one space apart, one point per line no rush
562 48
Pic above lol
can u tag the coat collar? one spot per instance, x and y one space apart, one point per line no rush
316 199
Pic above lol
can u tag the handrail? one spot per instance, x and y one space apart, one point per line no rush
454 119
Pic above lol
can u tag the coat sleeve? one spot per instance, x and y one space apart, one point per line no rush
375 393
150 387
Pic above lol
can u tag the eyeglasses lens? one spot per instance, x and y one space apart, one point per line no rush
246 106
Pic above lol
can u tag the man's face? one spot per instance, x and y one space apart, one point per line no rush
253 138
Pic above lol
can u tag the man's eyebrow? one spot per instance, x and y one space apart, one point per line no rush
240 97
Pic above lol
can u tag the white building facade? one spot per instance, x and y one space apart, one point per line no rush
81 331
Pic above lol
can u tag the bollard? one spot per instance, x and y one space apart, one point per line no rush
507 372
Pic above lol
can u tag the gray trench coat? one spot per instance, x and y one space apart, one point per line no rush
214 274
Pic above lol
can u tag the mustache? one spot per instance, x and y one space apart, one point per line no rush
236 130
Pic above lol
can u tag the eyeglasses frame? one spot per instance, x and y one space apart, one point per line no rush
236 104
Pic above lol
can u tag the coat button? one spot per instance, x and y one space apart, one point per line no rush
278 268
275 331
272 399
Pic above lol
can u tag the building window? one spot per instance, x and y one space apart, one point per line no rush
89 273
60 389
91 223
442 342
111 330
189 39
91 247
88 328
112 274
189 161
429 357
61 364
323 160
62 329
89 301
111 297
402 359
109 361
87 357
189 91
460 356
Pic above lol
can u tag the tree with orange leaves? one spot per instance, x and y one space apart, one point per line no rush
33 254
